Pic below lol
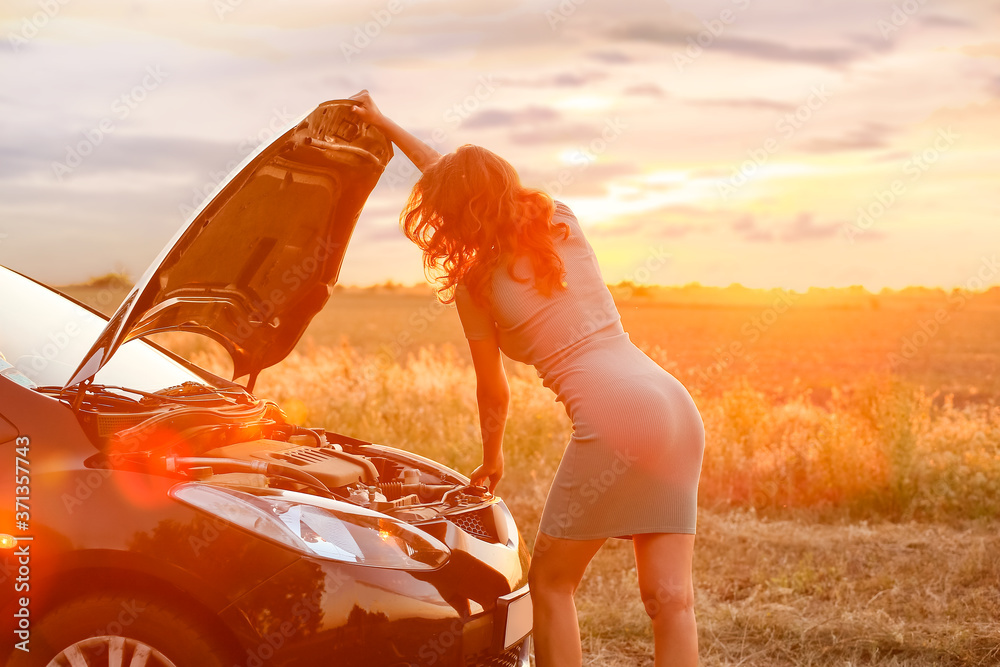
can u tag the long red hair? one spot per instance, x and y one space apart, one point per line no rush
469 213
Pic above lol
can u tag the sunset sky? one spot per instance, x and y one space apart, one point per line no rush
765 142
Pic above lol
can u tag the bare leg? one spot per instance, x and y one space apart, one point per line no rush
557 566
663 563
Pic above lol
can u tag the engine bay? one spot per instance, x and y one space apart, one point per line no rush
365 479
228 437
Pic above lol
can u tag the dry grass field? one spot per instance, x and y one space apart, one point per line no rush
851 486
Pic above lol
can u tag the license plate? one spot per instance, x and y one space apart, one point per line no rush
514 613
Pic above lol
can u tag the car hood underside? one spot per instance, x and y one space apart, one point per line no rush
257 262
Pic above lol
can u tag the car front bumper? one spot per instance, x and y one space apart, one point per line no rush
474 610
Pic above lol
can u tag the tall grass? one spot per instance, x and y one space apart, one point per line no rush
884 449
775 591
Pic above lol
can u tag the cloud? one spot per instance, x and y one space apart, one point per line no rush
745 103
645 89
766 50
113 154
868 137
803 228
669 222
63 233
556 134
749 231
225 77
491 118
674 35
611 57
578 180
944 21
557 80
378 234
666 230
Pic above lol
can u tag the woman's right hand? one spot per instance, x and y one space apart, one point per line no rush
365 107
488 474
419 153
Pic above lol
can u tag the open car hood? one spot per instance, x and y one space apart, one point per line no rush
259 259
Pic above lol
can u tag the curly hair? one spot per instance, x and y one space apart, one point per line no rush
469 213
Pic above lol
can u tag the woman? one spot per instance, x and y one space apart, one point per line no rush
526 283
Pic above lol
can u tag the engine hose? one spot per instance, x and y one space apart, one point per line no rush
175 464
302 430
391 490
394 490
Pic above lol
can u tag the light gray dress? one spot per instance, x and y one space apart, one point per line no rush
633 462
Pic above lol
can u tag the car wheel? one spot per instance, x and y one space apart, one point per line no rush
117 630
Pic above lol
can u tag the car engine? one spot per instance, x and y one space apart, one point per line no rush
227 437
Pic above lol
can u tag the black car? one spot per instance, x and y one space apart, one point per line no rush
155 514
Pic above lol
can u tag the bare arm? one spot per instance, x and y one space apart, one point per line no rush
493 397
419 153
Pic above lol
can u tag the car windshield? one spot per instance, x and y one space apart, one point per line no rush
44 335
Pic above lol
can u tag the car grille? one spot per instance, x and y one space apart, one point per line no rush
478 524
508 658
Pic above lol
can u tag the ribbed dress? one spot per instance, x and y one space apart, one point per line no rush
633 462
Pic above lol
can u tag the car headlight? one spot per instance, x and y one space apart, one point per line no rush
320 527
